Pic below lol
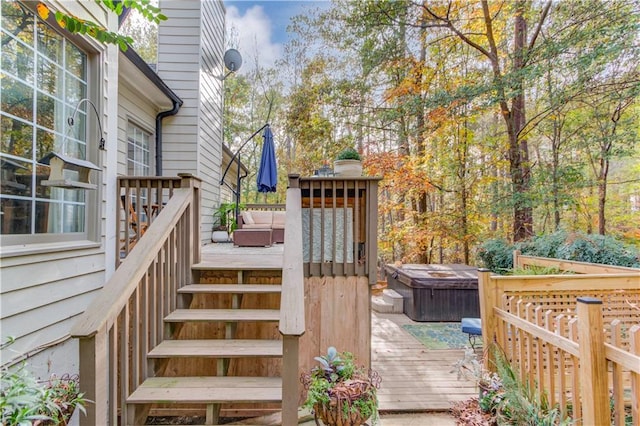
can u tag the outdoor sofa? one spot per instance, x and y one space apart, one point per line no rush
252 225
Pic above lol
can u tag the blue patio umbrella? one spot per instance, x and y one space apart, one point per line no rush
268 172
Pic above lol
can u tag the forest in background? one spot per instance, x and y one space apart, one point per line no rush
486 119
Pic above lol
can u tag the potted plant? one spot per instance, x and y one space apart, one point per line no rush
348 163
339 393
222 223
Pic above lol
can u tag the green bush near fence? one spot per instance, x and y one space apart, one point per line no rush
497 254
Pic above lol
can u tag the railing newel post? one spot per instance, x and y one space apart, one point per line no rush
594 389
488 301
94 380
294 180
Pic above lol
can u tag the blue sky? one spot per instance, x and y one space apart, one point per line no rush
260 27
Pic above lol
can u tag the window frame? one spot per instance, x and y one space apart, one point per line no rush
151 146
19 244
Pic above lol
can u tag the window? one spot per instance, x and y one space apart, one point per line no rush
138 157
42 78
138 153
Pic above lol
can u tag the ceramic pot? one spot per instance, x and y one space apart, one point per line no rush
352 168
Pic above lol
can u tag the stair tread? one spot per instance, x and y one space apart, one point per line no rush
230 315
202 390
230 288
217 348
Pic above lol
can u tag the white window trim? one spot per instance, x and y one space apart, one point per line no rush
23 244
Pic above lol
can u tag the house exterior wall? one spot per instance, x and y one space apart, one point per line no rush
131 107
190 61
45 286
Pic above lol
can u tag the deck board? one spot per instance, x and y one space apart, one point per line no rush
414 378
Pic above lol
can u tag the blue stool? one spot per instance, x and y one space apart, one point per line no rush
473 327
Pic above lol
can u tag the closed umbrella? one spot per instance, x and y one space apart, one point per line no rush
268 172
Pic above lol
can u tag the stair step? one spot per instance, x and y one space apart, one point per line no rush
230 288
218 348
204 390
226 315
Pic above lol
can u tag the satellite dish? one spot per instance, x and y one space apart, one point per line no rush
232 60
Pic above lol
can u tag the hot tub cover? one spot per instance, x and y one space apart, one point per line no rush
435 275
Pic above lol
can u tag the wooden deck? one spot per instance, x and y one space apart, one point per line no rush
414 378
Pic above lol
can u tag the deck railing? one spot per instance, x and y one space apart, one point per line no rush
125 320
340 225
292 309
141 199
575 338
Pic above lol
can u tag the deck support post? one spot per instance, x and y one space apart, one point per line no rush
290 381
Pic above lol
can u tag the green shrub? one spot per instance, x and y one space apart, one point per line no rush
25 400
497 254
348 154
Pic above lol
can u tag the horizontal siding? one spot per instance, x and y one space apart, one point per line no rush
179 68
40 318
40 338
23 276
27 299
193 48
211 110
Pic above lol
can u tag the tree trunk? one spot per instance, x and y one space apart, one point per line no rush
519 149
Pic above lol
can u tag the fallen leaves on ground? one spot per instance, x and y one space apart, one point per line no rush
468 413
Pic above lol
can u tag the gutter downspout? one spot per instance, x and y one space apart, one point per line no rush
177 103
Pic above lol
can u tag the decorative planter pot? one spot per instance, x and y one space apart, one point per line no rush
219 236
342 399
347 168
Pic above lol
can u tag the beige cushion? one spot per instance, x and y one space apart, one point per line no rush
247 218
279 219
262 217
256 226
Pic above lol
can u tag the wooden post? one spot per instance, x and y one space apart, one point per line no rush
593 364
190 181
290 380
487 294
634 333
372 231
294 180
516 259
94 375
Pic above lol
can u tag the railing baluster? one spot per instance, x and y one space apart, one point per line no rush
358 267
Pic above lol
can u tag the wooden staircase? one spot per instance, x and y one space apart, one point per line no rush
225 323
173 335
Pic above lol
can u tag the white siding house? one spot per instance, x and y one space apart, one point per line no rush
57 246
191 44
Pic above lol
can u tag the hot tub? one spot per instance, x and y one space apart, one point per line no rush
436 292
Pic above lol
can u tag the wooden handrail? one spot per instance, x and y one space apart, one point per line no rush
116 292
522 261
292 321
292 318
